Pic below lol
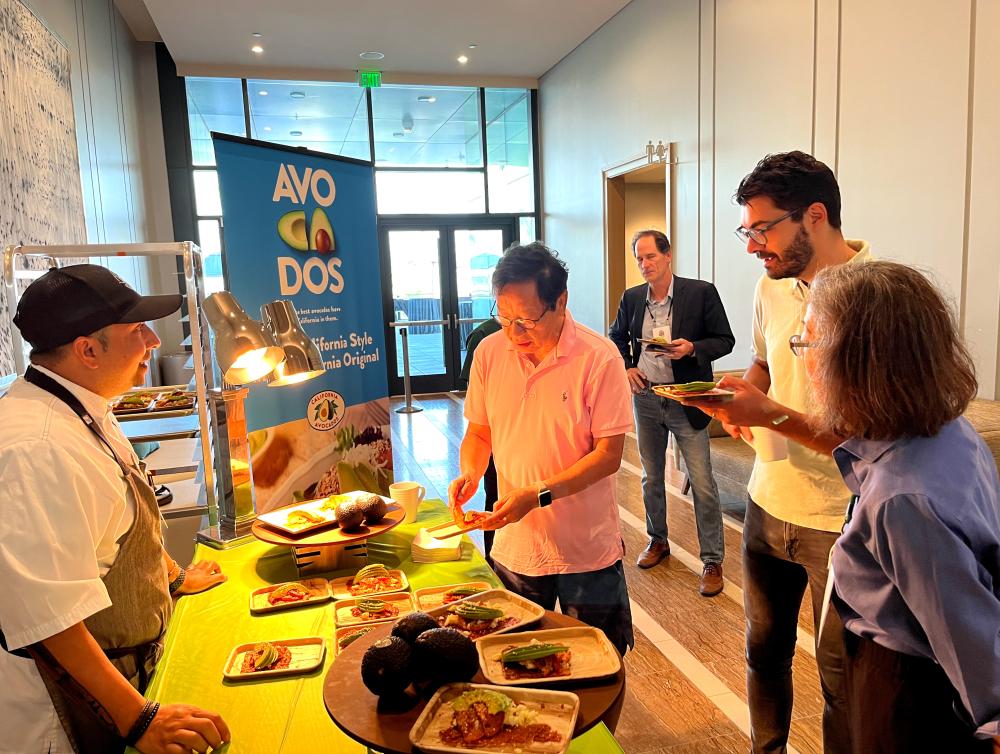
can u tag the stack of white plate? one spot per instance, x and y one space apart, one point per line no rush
427 549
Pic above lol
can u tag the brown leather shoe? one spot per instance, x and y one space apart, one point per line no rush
653 554
711 580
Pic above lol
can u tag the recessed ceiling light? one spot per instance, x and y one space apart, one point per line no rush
257 49
472 46
294 133
267 128
256 35
297 95
262 92
398 134
427 98
462 59
372 55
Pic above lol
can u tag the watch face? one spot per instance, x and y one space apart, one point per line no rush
544 498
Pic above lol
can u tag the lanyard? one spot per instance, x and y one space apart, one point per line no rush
670 310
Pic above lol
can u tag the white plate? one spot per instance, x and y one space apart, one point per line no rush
715 394
307 655
593 656
342 608
341 587
558 709
433 596
259 603
514 605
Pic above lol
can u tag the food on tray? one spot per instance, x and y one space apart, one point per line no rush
135 402
444 655
348 636
304 518
475 619
461 592
374 578
535 660
386 666
368 610
286 593
373 507
266 656
409 627
176 399
689 388
349 516
488 718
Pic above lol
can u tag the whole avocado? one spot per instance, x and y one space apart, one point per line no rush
386 667
409 627
444 655
373 507
349 516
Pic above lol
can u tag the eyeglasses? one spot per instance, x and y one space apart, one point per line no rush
757 235
797 344
524 324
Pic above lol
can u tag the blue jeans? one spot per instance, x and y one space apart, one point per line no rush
598 598
655 419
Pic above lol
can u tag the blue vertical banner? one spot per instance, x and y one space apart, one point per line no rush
301 226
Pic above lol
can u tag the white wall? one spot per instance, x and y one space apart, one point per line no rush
119 138
904 106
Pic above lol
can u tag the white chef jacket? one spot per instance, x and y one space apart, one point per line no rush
65 508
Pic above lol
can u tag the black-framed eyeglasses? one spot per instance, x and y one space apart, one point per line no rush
524 324
797 345
758 234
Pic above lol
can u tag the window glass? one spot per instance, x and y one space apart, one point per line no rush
509 150
213 105
326 116
526 229
427 126
432 192
206 193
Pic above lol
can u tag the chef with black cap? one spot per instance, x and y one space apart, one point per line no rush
86 584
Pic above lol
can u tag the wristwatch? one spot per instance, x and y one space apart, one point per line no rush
544 497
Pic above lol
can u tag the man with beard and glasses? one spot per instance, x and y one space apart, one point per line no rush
790 221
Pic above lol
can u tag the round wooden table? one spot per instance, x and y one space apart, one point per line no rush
359 713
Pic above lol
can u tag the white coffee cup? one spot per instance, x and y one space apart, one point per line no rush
768 444
409 495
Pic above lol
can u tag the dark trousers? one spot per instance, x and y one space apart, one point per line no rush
598 598
779 561
901 703
490 490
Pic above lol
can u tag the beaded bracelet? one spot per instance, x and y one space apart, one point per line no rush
142 723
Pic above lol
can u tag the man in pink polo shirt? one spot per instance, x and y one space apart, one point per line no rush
549 398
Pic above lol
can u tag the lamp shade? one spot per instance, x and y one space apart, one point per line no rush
246 352
303 360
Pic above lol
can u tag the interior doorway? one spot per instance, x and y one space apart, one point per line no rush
636 196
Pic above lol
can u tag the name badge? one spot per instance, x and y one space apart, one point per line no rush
662 332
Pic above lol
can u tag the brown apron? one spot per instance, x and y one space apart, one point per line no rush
130 631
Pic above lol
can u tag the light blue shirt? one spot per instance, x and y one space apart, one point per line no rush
658 369
917 568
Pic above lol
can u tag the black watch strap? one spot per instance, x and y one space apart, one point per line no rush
544 497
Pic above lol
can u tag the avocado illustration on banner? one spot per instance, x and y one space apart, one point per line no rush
292 230
321 233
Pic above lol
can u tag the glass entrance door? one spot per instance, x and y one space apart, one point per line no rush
439 289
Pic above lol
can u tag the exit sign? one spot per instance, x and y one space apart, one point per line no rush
370 79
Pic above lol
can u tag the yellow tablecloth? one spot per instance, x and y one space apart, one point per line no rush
287 716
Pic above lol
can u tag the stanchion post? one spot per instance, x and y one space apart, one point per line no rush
409 408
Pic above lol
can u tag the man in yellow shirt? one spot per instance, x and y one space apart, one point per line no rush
791 222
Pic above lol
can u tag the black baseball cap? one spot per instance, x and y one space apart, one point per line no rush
68 302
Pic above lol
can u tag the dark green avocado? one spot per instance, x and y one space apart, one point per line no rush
386 666
409 627
444 655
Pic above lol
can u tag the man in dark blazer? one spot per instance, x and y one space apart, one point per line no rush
689 317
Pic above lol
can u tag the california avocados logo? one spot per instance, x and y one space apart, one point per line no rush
317 236
325 410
